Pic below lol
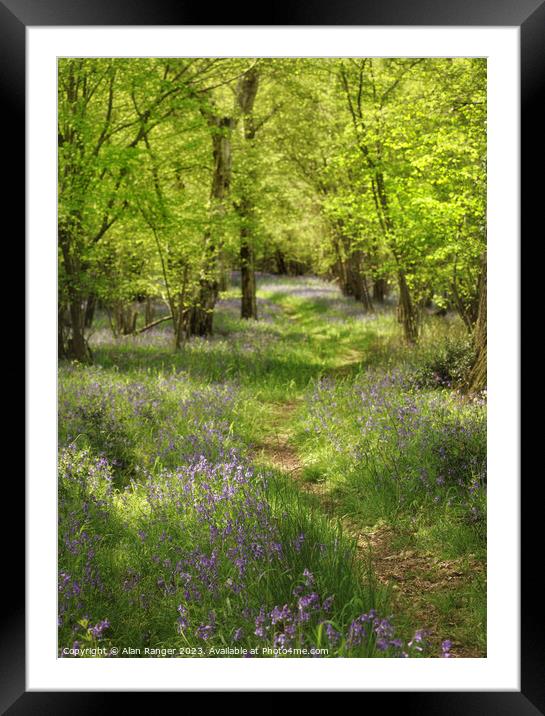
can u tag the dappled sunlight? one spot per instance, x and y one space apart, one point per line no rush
272 319
152 416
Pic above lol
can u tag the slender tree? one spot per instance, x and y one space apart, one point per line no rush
476 380
246 94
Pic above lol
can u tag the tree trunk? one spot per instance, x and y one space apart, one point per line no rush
202 313
379 290
338 267
247 281
246 94
201 317
149 311
353 283
224 272
366 295
406 310
61 333
356 280
181 315
476 380
90 310
75 346
281 268
124 318
407 314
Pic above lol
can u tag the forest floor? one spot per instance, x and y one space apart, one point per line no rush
359 435
420 582
416 579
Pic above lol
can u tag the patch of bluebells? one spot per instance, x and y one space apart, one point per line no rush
135 425
429 446
206 535
85 495
298 624
191 534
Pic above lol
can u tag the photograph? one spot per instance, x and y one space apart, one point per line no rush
273 328
272 357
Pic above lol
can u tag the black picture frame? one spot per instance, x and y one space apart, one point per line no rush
529 16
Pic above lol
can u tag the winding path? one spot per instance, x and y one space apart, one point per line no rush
411 576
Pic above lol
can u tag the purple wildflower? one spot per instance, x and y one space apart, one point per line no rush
98 629
332 634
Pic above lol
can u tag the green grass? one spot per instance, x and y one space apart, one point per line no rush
144 415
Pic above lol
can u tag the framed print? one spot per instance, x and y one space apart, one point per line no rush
273 315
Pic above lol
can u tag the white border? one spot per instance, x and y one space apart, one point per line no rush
500 670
